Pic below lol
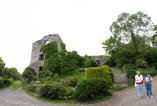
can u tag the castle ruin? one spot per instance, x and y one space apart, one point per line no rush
37 57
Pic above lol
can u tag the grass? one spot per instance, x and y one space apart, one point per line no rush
118 88
75 73
17 84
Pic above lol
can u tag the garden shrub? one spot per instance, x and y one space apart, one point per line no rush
5 82
1 82
73 81
132 72
8 82
91 88
150 71
52 90
2 65
68 93
33 86
89 61
141 63
154 65
102 72
15 74
128 67
29 75
107 59
64 70
65 82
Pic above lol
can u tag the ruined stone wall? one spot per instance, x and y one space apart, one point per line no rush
99 59
37 63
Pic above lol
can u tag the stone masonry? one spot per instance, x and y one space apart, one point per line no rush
37 57
99 59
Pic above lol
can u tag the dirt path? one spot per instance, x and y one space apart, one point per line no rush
127 97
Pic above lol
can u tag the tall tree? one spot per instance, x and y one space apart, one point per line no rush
128 28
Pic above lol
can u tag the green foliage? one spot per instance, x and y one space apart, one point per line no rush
59 61
150 71
70 82
128 67
68 93
131 24
33 86
132 72
29 75
16 75
141 63
131 40
52 90
17 84
73 81
5 82
2 65
154 65
118 88
89 61
91 88
150 55
102 72
11 73
107 60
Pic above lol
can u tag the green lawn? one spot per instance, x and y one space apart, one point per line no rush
75 73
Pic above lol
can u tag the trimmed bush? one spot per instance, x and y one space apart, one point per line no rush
102 72
52 91
91 88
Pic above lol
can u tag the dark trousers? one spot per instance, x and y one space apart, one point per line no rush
148 87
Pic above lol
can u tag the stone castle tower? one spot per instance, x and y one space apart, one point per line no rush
37 57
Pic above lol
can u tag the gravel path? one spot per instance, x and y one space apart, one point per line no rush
127 97
10 97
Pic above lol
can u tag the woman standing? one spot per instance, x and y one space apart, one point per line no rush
148 85
139 84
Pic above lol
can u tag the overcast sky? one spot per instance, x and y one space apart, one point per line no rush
82 24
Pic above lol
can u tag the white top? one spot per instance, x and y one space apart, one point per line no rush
138 78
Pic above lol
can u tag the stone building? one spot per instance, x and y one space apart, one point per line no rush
37 57
99 59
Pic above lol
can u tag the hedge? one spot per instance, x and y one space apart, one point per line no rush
91 88
102 72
